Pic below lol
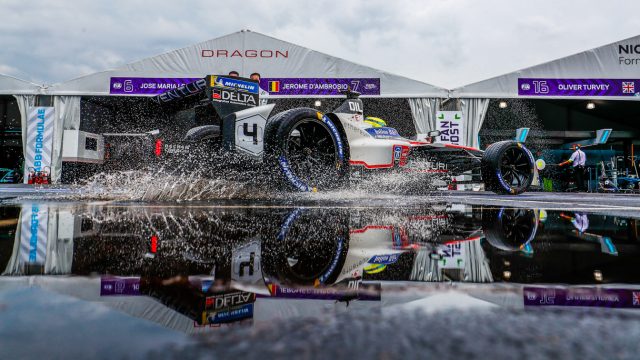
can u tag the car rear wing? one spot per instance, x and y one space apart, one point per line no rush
226 94
602 136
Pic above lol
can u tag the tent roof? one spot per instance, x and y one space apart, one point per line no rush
599 63
10 85
215 57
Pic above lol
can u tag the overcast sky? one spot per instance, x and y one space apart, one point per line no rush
445 43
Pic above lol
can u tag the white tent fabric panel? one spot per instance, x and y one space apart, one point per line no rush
618 60
423 111
473 113
14 86
67 118
247 52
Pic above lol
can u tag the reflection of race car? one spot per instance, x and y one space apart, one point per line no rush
314 151
6 176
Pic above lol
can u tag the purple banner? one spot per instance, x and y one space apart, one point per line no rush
578 87
581 296
145 86
114 286
365 292
320 86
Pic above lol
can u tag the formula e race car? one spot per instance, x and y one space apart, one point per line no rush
312 151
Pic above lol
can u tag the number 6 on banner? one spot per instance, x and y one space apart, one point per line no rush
128 86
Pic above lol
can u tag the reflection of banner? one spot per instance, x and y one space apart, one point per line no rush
364 291
145 86
113 286
33 234
451 127
581 296
578 87
39 139
320 86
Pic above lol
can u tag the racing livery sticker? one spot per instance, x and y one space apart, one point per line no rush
400 155
231 315
383 133
234 97
320 86
387 259
221 82
229 300
578 87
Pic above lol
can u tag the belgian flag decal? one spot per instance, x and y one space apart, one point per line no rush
274 86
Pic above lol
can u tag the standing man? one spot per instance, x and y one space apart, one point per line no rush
263 94
577 160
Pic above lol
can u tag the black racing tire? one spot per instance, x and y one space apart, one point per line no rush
306 251
507 168
204 132
307 150
510 229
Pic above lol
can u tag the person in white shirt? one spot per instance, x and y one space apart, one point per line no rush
578 160
580 222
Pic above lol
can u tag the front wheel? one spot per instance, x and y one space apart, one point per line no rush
507 168
307 149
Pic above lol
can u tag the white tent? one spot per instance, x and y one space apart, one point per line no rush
596 73
247 52
25 93
10 85
608 72
301 71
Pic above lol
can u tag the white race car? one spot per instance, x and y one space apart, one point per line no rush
315 151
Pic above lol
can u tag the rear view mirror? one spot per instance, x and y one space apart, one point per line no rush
433 133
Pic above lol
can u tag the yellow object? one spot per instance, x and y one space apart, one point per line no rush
375 122
374 268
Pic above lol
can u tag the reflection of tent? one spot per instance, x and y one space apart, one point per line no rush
560 89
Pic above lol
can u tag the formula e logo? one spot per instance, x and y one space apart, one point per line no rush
117 86
525 86
355 106
397 152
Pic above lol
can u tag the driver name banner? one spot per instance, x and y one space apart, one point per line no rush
40 124
146 86
451 127
578 87
320 86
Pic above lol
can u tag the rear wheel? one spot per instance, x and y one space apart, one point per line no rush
307 149
510 229
507 168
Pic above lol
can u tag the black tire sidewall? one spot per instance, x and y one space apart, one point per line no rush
277 133
492 174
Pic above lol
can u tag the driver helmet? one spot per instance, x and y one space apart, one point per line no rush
375 122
